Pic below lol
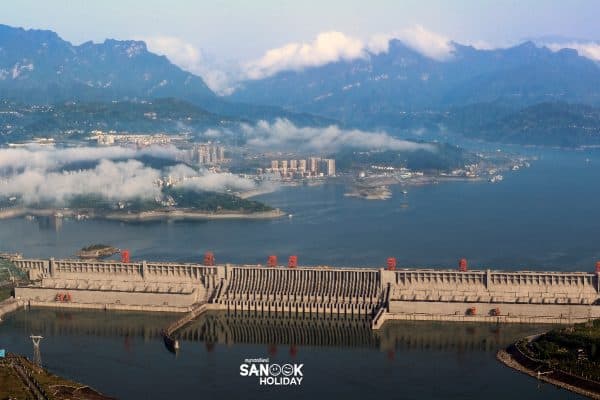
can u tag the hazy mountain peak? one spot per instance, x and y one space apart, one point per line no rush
39 66
402 80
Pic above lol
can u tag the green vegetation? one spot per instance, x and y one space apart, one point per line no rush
183 198
7 272
12 386
213 202
549 124
96 247
5 293
443 157
573 349
88 201
72 120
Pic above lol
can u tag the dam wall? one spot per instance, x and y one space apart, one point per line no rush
495 286
377 294
302 290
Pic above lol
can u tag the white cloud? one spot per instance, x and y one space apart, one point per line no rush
335 46
177 51
284 135
428 43
589 50
51 158
485 45
218 182
111 180
219 78
34 174
327 47
379 43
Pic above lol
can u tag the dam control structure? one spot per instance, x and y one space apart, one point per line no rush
375 294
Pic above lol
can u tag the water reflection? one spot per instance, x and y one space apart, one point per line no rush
417 360
50 223
230 329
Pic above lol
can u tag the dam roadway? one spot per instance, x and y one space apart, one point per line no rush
374 294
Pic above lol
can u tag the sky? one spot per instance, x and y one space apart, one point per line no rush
209 37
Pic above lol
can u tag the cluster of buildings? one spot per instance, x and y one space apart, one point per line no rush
307 168
400 172
141 140
208 154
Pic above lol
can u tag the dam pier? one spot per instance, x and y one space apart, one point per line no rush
375 294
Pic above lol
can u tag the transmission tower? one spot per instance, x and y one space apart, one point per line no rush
37 355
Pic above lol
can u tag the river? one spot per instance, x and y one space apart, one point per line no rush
542 217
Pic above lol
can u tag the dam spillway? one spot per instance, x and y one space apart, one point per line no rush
376 294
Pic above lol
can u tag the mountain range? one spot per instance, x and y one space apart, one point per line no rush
471 91
38 67
387 85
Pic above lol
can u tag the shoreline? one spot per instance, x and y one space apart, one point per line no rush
23 378
256 192
513 358
10 305
177 214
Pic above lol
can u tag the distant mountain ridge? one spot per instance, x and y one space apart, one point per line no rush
550 124
521 94
39 66
381 87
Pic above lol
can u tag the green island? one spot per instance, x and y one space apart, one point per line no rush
171 198
173 203
97 251
567 357
22 379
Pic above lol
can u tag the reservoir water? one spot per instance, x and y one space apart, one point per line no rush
543 217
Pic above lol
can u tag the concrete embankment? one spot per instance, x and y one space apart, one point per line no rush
191 215
9 305
177 214
516 359
109 307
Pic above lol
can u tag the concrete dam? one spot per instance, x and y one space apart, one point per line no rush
374 294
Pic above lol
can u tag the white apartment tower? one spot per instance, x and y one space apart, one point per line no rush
330 167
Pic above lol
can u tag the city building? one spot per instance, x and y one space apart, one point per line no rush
297 169
208 154
314 164
301 166
330 167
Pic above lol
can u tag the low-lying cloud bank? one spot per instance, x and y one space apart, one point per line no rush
34 175
47 158
211 181
284 135
112 180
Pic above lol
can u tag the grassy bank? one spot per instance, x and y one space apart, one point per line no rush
14 386
574 349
